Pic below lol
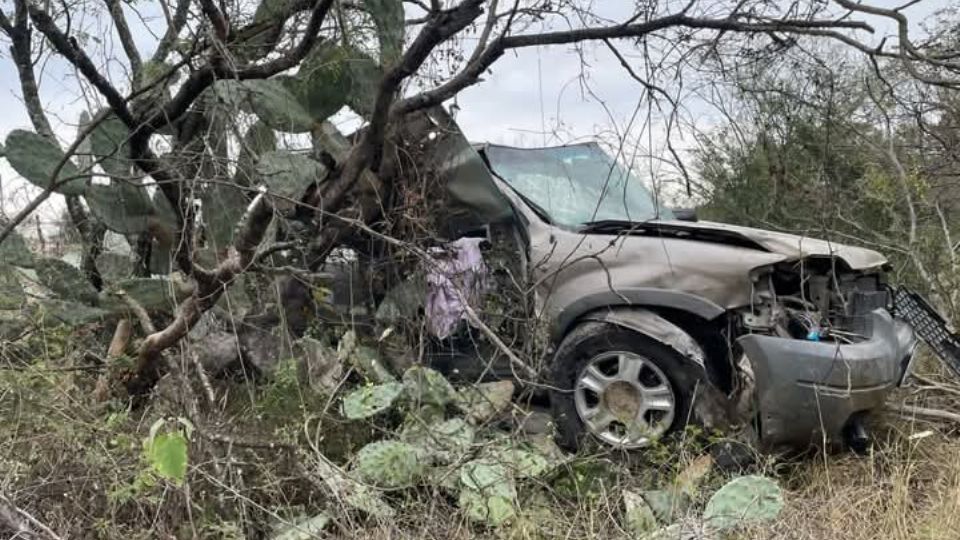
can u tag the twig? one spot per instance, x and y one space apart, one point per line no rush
911 411
8 510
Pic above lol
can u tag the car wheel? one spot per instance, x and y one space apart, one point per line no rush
619 387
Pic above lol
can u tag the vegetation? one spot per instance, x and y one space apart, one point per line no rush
194 374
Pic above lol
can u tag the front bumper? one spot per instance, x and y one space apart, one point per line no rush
807 392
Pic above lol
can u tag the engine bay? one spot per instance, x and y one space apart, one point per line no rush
815 299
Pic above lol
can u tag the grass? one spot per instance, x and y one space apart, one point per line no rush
76 465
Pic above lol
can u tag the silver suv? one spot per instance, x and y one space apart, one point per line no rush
657 319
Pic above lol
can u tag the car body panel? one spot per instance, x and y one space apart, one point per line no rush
808 391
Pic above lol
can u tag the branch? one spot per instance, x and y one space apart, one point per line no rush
250 234
126 38
471 74
174 25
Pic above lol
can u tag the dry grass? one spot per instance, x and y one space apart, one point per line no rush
73 464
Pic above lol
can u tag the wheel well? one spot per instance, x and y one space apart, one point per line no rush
713 336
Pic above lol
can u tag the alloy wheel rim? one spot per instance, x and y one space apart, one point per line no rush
624 399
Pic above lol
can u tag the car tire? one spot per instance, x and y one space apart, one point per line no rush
601 345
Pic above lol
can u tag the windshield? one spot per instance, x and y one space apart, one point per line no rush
575 185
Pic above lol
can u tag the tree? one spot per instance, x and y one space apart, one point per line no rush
187 135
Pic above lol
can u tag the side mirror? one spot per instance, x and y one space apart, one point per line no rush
685 214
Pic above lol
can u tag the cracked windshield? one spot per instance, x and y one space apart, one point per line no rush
576 185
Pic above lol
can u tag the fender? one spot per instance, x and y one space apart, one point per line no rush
624 298
654 326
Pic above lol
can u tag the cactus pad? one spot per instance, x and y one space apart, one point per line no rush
390 464
370 400
427 386
744 500
65 280
35 158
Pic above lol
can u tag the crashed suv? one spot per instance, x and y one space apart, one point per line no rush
657 321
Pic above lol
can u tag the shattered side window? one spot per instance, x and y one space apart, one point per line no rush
575 184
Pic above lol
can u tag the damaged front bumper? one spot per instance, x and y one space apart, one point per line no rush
808 392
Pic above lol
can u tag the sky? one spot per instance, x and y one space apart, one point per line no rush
532 97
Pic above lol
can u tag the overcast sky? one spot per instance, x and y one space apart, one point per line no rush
532 97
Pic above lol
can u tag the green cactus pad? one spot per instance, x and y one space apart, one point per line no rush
488 493
14 250
68 313
108 143
11 291
370 400
428 387
287 175
154 294
35 158
65 280
481 402
390 464
270 99
123 207
388 17
744 500
638 516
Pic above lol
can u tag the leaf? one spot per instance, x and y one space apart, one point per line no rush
287 175
322 84
370 400
114 266
427 386
124 207
108 142
70 313
35 158
388 17
638 516
304 530
520 462
390 464
481 402
744 500
446 441
167 455
489 494
667 505
11 291
154 294
270 99
65 280
14 250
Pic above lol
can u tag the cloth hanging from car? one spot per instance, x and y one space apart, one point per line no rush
456 274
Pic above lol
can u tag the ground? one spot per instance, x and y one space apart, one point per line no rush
80 467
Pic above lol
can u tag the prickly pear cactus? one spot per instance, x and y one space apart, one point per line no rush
638 516
153 294
269 99
108 143
68 313
370 400
390 464
11 291
287 175
35 158
388 17
488 494
14 250
123 207
65 280
744 500
427 386
445 441
481 402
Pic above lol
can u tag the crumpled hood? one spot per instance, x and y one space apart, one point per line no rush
790 245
